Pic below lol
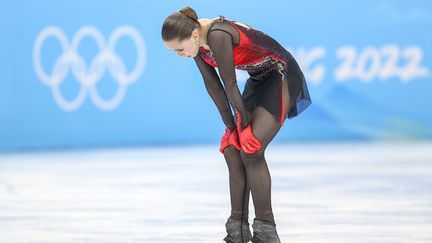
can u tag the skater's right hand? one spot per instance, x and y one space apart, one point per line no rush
248 141
229 138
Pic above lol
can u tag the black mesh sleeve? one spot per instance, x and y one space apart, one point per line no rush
216 91
221 43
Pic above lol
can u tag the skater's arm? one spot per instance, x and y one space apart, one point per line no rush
220 42
216 91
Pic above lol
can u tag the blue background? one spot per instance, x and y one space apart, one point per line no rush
168 104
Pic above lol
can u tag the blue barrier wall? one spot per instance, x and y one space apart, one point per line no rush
96 73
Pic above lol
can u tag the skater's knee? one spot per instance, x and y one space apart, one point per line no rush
251 158
230 150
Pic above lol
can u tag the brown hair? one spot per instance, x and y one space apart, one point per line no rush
180 24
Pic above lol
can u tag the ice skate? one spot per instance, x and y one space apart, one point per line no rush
264 232
237 231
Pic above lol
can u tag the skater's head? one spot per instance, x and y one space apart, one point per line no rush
181 32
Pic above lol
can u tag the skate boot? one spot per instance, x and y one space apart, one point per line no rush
237 231
264 232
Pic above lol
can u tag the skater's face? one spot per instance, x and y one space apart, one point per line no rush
188 47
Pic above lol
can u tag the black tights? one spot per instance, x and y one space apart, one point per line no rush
249 172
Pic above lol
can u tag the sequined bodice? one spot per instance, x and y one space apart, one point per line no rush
256 52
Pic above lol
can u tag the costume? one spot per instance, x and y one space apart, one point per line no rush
235 46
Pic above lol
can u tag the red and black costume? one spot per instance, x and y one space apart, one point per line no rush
234 46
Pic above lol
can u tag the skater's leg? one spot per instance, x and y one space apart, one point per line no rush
237 225
238 183
265 128
256 166
239 189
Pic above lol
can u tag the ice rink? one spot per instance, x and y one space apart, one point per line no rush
321 192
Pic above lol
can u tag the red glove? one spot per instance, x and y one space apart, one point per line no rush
229 138
249 142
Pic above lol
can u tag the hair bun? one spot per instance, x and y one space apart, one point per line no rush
188 11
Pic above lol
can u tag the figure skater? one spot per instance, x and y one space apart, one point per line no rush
275 90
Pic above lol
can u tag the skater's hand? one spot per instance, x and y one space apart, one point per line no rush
229 138
248 141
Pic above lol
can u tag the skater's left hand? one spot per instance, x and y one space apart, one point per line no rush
229 138
248 141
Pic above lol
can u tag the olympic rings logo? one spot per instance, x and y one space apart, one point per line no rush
88 76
